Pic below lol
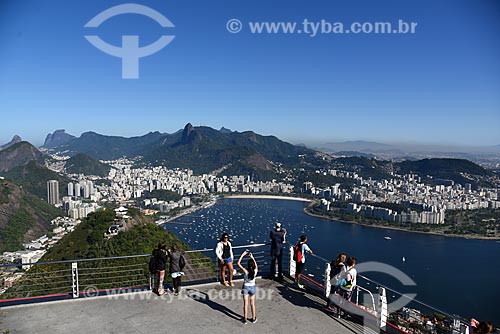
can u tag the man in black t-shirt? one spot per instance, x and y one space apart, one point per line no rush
278 241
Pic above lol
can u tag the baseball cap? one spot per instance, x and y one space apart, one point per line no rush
278 225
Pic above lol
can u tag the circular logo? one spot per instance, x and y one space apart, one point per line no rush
90 291
234 26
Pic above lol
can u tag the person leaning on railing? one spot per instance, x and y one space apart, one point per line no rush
337 271
160 263
483 327
177 264
348 282
278 241
301 248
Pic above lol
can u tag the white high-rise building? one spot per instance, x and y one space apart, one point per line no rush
53 192
71 191
77 190
86 190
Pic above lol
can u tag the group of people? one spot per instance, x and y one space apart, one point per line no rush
225 256
343 274
158 265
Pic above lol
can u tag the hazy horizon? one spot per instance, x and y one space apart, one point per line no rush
440 84
39 140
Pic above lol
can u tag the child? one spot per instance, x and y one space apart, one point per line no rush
248 289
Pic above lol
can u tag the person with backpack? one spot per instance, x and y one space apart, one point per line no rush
157 266
278 241
337 270
248 290
299 256
348 282
224 252
483 327
177 264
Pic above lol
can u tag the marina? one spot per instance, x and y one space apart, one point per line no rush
249 221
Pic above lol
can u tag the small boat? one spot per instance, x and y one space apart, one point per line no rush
403 259
387 238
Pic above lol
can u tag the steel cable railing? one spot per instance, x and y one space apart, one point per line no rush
60 278
415 317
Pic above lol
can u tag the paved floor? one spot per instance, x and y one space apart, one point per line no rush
209 308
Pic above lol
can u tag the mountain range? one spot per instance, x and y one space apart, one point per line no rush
202 149
206 150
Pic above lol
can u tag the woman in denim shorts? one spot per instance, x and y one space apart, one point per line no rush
248 290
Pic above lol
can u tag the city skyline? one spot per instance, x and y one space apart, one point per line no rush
440 85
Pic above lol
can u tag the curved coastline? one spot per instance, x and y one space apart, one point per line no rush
290 198
471 237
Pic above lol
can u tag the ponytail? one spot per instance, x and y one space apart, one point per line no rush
251 269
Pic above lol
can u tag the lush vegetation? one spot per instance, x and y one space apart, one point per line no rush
110 147
33 178
205 150
446 169
394 206
443 168
83 164
88 241
480 221
4 194
32 214
162 195
320 180
245 168
365 167
12 236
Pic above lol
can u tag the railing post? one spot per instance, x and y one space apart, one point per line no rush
74 279
326 280
291 263
382 304
217 265
459 327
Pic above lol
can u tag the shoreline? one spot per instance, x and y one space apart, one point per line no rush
214 201
393 228
290 198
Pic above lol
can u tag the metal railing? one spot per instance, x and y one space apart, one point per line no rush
373 301
90 277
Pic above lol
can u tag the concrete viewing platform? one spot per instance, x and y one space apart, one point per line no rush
207 308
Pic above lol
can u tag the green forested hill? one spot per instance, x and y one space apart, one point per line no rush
23 217
87 241
33 178
84 164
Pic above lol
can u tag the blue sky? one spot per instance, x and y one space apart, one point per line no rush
439 85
